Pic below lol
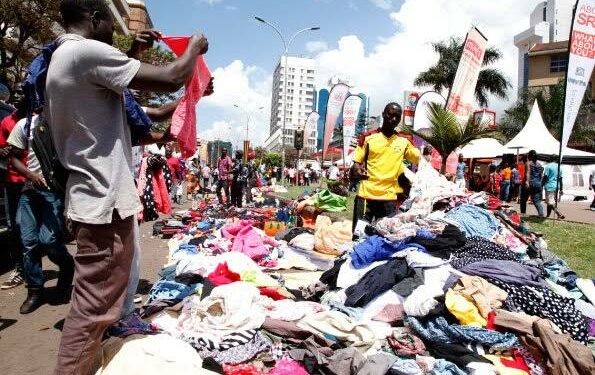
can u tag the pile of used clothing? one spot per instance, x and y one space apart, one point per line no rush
446 286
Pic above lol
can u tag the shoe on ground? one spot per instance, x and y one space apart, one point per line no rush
33 302
14 279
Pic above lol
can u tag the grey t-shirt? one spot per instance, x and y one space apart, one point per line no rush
85 110
18 139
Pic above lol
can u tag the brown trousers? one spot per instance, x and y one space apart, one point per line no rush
102 267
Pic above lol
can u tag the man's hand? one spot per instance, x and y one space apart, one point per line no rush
4 152
143 40
210 88
38 181
199 43
359 172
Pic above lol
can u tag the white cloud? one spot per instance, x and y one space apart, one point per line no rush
231 8
383 4
383 71
210 2
250 88
316 46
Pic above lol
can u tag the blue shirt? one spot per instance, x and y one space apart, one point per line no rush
550 172
460 171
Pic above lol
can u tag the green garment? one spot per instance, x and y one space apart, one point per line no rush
329 202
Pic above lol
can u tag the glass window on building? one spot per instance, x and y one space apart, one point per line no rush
558 63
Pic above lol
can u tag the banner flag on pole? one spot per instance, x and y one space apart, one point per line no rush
581 58
461 99
351 109
311 124
336 99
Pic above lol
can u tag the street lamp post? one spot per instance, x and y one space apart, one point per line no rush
286 45
249 115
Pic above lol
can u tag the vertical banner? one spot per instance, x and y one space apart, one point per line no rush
462 94
309 127
409 104
350 114
581 58
336 99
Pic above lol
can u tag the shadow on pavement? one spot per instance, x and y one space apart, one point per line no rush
5 323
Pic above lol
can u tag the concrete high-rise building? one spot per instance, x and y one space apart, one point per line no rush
130 15
549 22
300 98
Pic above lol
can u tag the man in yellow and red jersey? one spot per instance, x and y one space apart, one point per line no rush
377 163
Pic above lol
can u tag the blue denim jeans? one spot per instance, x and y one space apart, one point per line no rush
134 277
12 196
504 190
40 217
535 189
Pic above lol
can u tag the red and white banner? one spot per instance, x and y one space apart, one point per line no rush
581 59
409 104
461 99
350 115
334 106
310 127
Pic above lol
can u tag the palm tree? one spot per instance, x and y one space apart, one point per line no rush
442 75
447 134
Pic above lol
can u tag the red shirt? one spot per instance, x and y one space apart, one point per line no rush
174 167
521 168
6 126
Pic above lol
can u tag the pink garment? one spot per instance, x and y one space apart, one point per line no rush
183 122
288 366
247 240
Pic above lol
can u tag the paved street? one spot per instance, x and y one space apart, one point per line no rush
29 343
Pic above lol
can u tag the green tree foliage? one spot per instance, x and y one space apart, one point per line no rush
272 159
442 75
153 56
551 104
25 26
447 134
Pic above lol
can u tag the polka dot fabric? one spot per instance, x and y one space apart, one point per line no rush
479 248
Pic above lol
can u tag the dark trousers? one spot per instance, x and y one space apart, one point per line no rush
223 185
12 195
593 203
42 227
371 210
103 260
237 190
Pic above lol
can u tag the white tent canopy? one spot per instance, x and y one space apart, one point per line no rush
535 136
483 148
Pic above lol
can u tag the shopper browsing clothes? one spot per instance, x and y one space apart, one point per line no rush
224 166
533 184
240 174
40 215
85 83
377 163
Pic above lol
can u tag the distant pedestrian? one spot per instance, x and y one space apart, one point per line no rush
460 175
506 173
206 176
552 184
224 167
515 183
239 179
533 183
592 187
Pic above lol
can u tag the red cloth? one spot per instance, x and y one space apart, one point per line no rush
174 167
6 126
491 318
223 275
161 194
183 122
271 293
518 362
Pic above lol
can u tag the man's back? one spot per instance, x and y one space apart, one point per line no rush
550 172
92 140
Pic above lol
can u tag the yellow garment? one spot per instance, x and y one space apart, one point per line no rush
463 309
486 296
384 165
329 236
503 370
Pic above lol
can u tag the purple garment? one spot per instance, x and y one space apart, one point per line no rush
592 327
506 271
224 167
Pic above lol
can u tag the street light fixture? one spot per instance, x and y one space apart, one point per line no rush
248 114
286 45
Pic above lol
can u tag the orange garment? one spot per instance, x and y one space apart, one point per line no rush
506 174
521 168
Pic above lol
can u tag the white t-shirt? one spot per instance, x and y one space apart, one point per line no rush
85 109
333 173
19 140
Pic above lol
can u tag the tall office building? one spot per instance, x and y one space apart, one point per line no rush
549 22
300 98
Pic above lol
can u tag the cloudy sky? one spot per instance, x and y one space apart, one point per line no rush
380 45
